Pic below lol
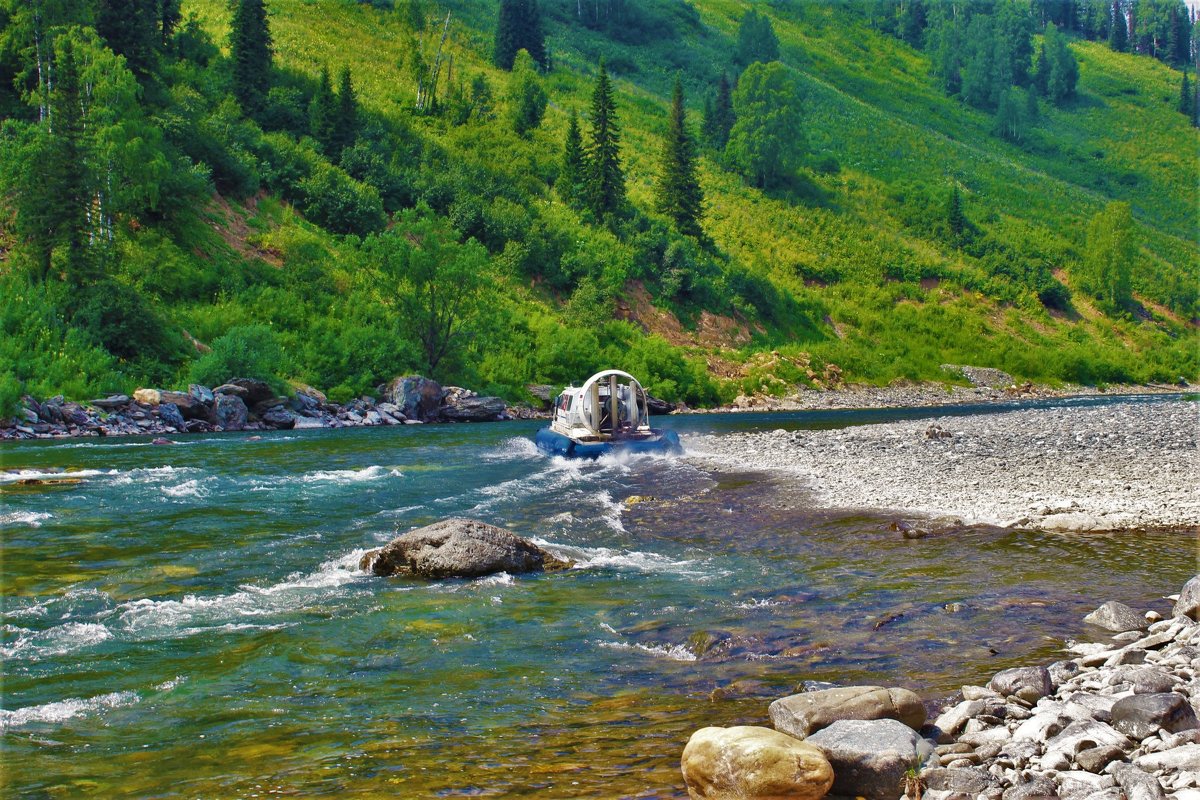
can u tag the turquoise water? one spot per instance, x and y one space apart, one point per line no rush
190 621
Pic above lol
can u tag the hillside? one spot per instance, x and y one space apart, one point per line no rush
309 264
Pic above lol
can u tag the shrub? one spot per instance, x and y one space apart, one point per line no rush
249 351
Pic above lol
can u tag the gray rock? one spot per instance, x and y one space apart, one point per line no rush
112 402
303 423
1062 671
657 407
543 393
1186 757
953 719
1085 735
418 398
1042 727
1136 784
1099 706
802 714
1143 715
230 412
256 391
457 548
304 402
1028 683
279 418
1076 785
187 403
1114 616
1041 786
465 406
1095 759
169 414
870 757
1188 604
968 780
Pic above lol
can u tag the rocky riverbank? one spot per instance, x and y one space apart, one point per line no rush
1128 465
243 404
1117 721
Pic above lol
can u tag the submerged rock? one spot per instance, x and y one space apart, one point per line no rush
805 713
458 548
1117 617
753 763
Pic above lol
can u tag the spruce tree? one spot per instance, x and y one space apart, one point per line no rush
720 117
571 177
518 27
322 113
604 185
1118 33
679 193
130 28
1185 97
956 220
345 128
70 197
250 52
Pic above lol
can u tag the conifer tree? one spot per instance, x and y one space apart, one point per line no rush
130 28
1041 71
956 220
519 27
604 184
756 39
250 51
1186 98
345 129
679 193
322 113
1118 32
66 176
720 117
571 177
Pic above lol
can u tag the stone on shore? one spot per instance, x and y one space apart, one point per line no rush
417 397
1114 616
255 391
870 757
1136 784
147 397
753 763
803 714
1142 715
1028 683
458 548
463 405
230 412
1188 604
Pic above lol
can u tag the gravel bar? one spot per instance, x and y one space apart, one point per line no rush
1128 465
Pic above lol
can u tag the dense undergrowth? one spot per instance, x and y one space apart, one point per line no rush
308 262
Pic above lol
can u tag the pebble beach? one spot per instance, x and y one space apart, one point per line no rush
1127 465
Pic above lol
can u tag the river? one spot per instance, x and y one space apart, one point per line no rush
189 621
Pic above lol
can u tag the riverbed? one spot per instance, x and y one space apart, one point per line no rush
189 620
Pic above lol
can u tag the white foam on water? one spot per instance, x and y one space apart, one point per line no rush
672 652
753 603
190 488
343 477
611 510
62 710
150 474
11 476
167 686
518 448
31 518
605 557
192 615
56 641
499 579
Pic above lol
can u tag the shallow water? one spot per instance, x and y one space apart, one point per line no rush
189 621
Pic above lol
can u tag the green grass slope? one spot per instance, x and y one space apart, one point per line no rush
844 264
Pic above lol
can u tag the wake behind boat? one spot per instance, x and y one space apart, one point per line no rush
607 414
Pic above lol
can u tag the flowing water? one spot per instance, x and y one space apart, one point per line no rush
190 621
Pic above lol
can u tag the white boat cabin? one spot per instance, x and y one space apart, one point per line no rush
610 405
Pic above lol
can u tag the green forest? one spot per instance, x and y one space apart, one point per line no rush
498 194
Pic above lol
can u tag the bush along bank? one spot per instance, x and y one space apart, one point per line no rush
1117 721
246 404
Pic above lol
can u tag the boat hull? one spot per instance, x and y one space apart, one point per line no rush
555 444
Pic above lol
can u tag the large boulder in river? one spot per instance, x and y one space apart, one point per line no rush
417 397
1118 617
870 757
753 763
803 714
463 405
457 548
